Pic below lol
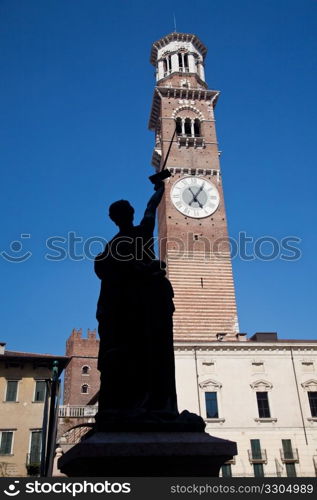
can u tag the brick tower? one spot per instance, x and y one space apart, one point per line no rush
192 219
82 378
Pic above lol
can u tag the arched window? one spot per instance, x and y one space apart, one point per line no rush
186 62
179 130
85 370
188 128
197 129
183 62
84 389
165 66
180 62
167 63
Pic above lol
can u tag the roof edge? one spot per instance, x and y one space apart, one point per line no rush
175 35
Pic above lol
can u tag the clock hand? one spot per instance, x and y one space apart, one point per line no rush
200 189
195 198
195 195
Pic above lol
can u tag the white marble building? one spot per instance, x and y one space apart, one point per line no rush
259 390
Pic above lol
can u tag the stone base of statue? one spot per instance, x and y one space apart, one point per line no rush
147 454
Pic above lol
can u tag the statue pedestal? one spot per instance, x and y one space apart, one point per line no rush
147 454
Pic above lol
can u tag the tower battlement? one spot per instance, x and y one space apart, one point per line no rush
81 375
76 344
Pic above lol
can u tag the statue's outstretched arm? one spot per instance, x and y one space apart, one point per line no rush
150 211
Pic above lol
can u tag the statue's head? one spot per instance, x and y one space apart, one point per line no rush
121 213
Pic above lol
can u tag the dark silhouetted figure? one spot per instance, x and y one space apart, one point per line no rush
134 311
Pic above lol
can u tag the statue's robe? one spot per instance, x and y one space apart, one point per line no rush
135 309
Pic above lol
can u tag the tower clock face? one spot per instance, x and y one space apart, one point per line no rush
195 197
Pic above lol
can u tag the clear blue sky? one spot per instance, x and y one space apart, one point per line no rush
75 94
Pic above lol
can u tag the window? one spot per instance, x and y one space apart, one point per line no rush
167 62
6 438
85 370
226 470
263 404
180 62
35 448
12 390
256 449
289 455
84 389
179 130
312 397
287 449
290 470
40 390
211 404
256 454
183 62
188 127
258 470
197 131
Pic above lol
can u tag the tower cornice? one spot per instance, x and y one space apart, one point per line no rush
175 36
180 93
248 345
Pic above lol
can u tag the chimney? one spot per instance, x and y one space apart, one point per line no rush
264 337
241 337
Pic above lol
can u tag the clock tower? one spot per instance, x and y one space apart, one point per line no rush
192 219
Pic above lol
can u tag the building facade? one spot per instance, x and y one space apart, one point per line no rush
23 384
261 391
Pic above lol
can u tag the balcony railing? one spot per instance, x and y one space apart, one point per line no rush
188 140
289 456
77 411
258 458
74 435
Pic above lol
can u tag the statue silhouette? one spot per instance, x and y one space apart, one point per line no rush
134 312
